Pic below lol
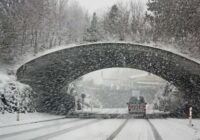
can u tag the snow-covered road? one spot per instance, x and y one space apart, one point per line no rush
137 129
103 129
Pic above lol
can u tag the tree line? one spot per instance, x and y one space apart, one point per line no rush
31 26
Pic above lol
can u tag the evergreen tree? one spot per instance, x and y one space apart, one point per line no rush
92 34
116 23
112 22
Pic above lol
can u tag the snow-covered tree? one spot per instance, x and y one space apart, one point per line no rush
92 33
15 96
176 20
31 26
112 22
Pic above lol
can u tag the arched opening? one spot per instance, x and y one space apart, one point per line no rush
109 90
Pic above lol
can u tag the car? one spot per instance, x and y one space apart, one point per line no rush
137 106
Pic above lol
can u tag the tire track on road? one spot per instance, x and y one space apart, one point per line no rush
35 129
57 133
117 131
155 132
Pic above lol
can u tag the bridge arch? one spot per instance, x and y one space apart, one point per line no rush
50 72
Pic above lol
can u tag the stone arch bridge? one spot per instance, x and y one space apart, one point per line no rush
48 74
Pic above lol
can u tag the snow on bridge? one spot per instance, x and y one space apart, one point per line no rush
58 48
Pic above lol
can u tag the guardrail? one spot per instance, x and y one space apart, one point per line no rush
116 115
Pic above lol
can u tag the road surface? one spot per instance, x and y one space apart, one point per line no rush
102 129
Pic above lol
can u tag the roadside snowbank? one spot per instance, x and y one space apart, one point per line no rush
177 129
8 119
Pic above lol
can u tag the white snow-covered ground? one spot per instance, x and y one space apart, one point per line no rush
185 122
137 129
98 129
177 129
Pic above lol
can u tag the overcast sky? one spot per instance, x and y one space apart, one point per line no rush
101 5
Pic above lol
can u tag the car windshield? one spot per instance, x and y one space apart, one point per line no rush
133 100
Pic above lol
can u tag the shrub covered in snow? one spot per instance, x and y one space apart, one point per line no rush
15 96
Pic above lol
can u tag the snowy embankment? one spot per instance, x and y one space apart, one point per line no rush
185 122
16 96
8 119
